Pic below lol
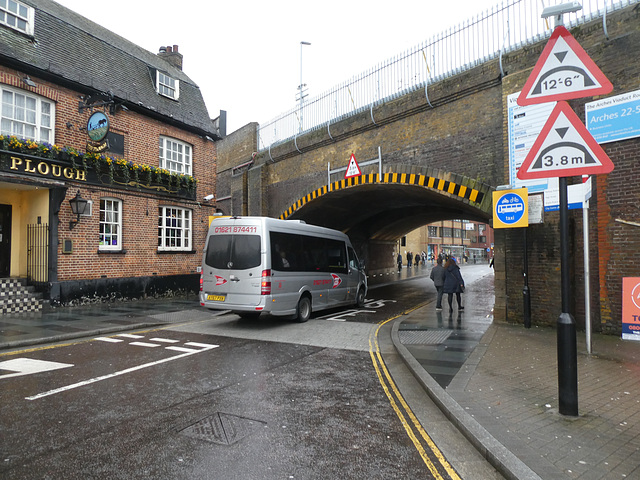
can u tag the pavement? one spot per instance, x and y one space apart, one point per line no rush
498 383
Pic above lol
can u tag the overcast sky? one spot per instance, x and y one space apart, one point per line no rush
245 54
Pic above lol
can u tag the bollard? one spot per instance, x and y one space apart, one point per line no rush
567 365
526 296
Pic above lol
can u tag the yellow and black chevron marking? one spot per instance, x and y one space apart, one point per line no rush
461 191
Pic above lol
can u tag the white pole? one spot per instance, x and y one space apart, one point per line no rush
587 293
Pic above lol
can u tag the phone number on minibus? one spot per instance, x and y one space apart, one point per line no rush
236 229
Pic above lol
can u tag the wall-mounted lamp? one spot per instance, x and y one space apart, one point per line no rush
27 80
78 207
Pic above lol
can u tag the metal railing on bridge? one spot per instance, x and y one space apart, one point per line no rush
508 26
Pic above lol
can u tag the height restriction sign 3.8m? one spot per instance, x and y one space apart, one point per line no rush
564 148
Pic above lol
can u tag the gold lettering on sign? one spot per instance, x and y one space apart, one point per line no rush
28 167
43 168
46 168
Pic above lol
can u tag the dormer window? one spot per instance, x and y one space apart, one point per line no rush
166 85
17 16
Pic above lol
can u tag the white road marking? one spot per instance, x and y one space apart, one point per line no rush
29 366
181 349
129 335
117 374
164 340
109 339
203 345
144 344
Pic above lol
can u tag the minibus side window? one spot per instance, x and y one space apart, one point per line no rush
337 256
353 259
286 252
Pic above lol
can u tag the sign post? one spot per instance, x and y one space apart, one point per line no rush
510 210
564 148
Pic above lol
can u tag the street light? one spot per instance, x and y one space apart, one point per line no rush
78 207
302 85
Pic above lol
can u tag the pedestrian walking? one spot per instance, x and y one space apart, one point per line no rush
409 258
399 261
453 283
437 275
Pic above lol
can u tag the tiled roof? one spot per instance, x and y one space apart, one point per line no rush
70 48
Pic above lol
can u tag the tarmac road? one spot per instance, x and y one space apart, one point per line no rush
270 399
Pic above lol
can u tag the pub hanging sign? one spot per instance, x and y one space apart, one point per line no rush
97 129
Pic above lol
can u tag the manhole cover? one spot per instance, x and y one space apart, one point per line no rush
423 337
221 428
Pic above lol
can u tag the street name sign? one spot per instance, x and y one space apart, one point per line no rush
563 71
564 148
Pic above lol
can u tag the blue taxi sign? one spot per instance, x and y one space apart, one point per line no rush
510 208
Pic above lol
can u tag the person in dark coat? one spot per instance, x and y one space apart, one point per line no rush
437 275
453 283
399 261
409 259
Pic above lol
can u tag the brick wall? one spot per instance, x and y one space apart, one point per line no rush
464 133
140 256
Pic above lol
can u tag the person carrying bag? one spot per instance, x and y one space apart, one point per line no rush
453 283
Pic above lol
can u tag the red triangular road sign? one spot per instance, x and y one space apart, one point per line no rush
353 170
564 148
563 71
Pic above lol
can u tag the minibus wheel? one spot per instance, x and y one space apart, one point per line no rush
360 298
303 312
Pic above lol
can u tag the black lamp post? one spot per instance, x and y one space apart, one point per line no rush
78 207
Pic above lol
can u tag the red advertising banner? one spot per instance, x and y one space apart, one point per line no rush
631 308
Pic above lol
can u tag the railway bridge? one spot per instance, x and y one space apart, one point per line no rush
437 152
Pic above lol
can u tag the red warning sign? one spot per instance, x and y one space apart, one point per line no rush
564 148
563 71
353 170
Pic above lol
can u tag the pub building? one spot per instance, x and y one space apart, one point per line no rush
107 163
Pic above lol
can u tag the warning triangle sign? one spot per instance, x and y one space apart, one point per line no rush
353 170
564 148
563 71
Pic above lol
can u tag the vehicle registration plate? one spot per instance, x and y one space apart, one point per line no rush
216 298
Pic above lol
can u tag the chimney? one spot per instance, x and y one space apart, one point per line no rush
171 55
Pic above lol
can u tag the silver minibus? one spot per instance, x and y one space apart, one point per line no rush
252 265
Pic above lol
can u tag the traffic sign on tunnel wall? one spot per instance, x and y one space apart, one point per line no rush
564 71
564 148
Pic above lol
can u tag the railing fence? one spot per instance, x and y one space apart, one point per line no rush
508 26
37 254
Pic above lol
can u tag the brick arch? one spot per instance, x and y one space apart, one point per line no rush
469 190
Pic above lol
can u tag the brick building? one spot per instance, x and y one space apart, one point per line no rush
87 115
467 240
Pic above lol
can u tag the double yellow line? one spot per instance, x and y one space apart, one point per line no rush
431 455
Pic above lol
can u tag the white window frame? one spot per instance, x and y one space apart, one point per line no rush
26 16
13 115
167 86
174 229
175 156
110 222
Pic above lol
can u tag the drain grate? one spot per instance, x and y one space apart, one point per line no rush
423 337
221 428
